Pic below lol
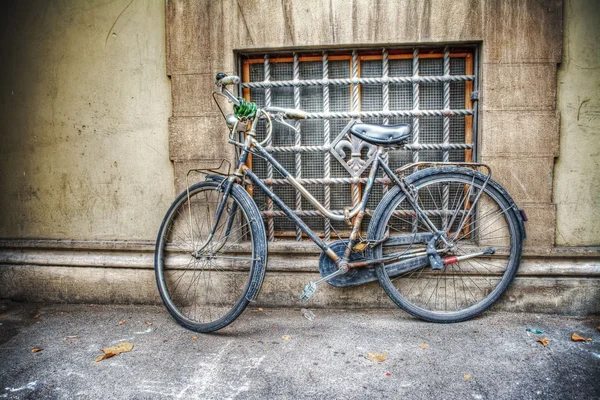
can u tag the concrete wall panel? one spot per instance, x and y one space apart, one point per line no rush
522 31
541 226
198 137
84 107
519 133
577 182
519 87
526 179
193 26
192 95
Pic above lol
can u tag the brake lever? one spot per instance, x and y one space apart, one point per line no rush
279 118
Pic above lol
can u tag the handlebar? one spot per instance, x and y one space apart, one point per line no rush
222 81
290 113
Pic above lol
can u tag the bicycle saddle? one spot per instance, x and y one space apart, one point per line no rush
381 134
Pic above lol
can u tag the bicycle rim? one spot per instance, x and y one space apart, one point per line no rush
463 289
204 283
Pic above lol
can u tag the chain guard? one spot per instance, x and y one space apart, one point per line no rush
353 277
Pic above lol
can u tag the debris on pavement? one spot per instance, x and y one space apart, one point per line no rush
377 357
424 346
261 309
37 315
467 377
194 337
309 315
543 341
537 331
148 323
286 337
122 323
576 338
123 347
36 349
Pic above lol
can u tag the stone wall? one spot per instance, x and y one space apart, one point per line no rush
521 45
87 139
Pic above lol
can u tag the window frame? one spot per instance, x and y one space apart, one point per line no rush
468 52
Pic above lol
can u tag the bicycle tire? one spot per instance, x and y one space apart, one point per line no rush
509 234
222 283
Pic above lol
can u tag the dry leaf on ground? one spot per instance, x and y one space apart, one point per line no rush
36 349
286 337
37 315
123 347
467 377
423 346
543 341
194 337
148 323
597 328
576 338
377 357
260 309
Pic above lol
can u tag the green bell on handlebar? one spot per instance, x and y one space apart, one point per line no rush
245 109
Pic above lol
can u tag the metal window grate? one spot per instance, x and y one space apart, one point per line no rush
428 88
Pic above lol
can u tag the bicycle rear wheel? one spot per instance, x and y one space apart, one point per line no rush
204 282
463 289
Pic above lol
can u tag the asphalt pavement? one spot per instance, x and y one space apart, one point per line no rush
279 354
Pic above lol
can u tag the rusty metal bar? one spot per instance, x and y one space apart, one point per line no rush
298 141
424 146
270 222
326 141
359 81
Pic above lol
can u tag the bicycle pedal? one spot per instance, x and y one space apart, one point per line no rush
309 290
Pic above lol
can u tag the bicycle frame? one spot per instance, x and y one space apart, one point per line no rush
252 146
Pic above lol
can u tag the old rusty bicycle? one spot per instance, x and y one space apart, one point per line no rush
444 242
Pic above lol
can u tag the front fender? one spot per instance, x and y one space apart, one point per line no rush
260 266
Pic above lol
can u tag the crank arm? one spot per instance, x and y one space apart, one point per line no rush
311 287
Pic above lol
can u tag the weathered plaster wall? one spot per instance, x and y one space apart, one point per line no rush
577 171
84 104
63 69
521 46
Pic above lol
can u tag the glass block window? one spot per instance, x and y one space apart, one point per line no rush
428 88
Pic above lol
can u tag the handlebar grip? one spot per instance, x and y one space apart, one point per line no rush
295 114
224 80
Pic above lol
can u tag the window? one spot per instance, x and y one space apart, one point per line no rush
428 88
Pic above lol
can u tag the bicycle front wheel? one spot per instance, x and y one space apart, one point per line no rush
207 281
475 217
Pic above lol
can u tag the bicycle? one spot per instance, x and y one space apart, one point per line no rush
445 262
